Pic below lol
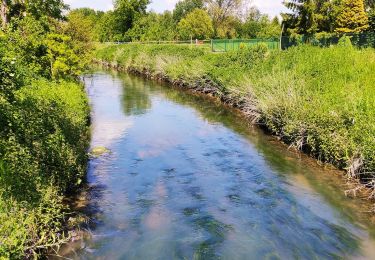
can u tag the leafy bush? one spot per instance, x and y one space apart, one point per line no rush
345 41
43 136
43 141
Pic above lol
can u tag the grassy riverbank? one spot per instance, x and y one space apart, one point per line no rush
43 140
319 100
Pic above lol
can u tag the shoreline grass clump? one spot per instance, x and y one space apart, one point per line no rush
321 101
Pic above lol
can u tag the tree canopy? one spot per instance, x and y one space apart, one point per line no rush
353 17
197 25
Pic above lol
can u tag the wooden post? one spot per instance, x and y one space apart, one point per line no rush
281 35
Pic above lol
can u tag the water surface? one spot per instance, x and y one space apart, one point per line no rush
188 178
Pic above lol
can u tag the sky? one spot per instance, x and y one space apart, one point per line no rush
270 7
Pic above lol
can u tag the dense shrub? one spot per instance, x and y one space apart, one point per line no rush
43 137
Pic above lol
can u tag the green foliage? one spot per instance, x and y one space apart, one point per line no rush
197 25
312 16
114 25
126 13
345 42
259 26
224 14
45 52
38 9
23 227
43 131
352 18
304 16
153 27
319 100
64 62
184 7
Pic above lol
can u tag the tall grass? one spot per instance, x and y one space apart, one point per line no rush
319 100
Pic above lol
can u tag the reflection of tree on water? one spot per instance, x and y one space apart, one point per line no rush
135 98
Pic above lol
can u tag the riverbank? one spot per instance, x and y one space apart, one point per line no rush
44 135
321 101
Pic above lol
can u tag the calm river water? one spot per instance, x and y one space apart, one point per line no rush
187 178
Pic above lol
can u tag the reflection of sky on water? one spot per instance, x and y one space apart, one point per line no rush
189 179
108 122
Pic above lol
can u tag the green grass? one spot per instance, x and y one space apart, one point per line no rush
319 100
236 44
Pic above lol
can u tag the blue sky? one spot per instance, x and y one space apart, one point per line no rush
271 7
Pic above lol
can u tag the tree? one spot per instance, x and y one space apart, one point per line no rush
107 28
34 8
61 53
85 23
353 17
196 24
257 25
184 7
303 19
126 12
224 14
153 27
50 8
312 16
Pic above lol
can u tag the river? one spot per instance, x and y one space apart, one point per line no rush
188 178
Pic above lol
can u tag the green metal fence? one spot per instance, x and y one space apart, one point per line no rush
235 44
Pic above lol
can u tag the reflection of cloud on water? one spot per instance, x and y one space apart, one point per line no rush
155 147
158 217
106 131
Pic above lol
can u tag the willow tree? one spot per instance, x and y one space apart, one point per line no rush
353 18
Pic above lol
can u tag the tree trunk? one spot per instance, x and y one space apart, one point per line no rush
3 13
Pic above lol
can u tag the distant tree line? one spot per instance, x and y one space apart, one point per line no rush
196 19
204 19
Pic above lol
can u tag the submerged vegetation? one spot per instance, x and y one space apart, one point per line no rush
319 100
